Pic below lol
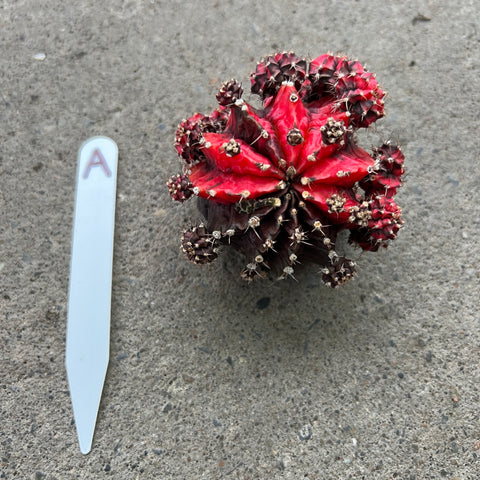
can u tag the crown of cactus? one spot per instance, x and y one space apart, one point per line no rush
279 183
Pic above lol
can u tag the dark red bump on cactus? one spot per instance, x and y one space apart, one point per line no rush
198 245
229 93
279 183
180 187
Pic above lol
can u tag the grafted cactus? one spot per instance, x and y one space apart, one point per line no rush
279 183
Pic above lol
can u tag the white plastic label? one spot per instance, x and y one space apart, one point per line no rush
88 324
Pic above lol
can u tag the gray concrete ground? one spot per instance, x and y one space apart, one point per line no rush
210 377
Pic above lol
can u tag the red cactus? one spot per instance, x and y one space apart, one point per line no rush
279 183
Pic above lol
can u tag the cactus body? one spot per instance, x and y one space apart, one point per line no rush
279 183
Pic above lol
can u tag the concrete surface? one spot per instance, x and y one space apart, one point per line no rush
211 378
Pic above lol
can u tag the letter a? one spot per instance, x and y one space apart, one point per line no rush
95 160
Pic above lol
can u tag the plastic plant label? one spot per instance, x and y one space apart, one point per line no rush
88 323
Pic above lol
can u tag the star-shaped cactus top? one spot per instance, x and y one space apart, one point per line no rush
278 183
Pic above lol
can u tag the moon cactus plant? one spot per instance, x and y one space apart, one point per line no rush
279 183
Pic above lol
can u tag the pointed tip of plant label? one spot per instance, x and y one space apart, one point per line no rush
86 446
86 378
85 431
